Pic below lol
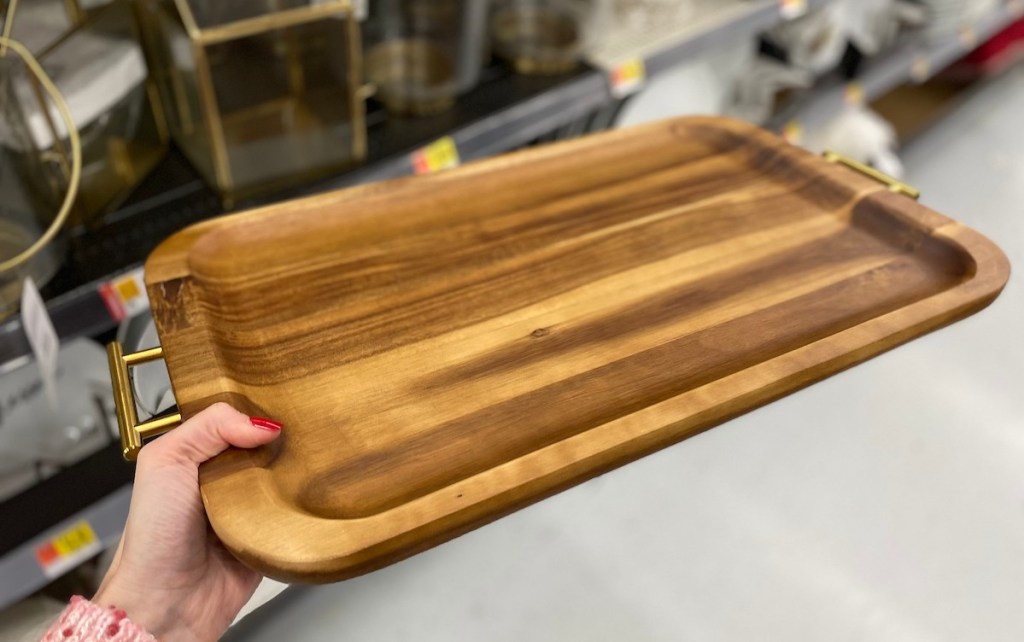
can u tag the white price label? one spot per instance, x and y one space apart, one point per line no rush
42 337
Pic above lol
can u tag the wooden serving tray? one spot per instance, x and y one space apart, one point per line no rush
445 350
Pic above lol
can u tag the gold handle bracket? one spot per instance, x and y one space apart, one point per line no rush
133 432
894 185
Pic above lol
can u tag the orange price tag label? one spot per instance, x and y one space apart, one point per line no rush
69 548
853 94
438 155
125 296
792 9
793 132
627 79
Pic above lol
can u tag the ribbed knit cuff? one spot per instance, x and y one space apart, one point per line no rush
83 621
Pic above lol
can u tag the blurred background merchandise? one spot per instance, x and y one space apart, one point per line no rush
188 109
93 55
421 54
259 95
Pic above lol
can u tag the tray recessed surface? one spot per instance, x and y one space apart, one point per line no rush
444 350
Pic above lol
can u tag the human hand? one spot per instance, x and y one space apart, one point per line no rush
170 573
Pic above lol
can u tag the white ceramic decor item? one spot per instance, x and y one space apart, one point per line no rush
753 97
861 134
815 42
37 440
875 25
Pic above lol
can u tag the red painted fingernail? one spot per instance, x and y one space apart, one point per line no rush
265 424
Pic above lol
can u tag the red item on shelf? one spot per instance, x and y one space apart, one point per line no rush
1001 51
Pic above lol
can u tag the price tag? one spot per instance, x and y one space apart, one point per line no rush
125 296
792 9
920 68
793 132
628 78
968 37
853 94
42 337
438 155
68 549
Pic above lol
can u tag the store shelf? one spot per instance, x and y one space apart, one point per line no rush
916 60
504 113
105 512
22 575
712 23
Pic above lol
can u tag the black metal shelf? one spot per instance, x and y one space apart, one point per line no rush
505 112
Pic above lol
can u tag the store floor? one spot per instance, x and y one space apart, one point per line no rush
883 504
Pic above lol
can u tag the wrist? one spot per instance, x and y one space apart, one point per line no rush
144 608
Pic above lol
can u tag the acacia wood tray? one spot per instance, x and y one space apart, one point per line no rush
445 350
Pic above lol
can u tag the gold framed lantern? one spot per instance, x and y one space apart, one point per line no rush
259 94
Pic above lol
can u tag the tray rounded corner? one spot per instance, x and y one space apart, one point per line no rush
991 266
231 517
169 259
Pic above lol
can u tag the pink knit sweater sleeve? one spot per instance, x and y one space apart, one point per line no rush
83 621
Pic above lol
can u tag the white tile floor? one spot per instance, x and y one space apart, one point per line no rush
884 504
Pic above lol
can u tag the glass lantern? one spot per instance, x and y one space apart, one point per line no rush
259 94
421 54
546 37
100 70
26 208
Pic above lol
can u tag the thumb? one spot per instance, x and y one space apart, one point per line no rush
210 433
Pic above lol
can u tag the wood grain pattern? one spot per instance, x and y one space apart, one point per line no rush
444 350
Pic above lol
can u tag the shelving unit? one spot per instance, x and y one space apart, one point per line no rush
19 568
711 23
917 60
504 113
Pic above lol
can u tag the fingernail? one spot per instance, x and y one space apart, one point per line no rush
265 424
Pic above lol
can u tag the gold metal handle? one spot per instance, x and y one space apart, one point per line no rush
133 432
894 185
